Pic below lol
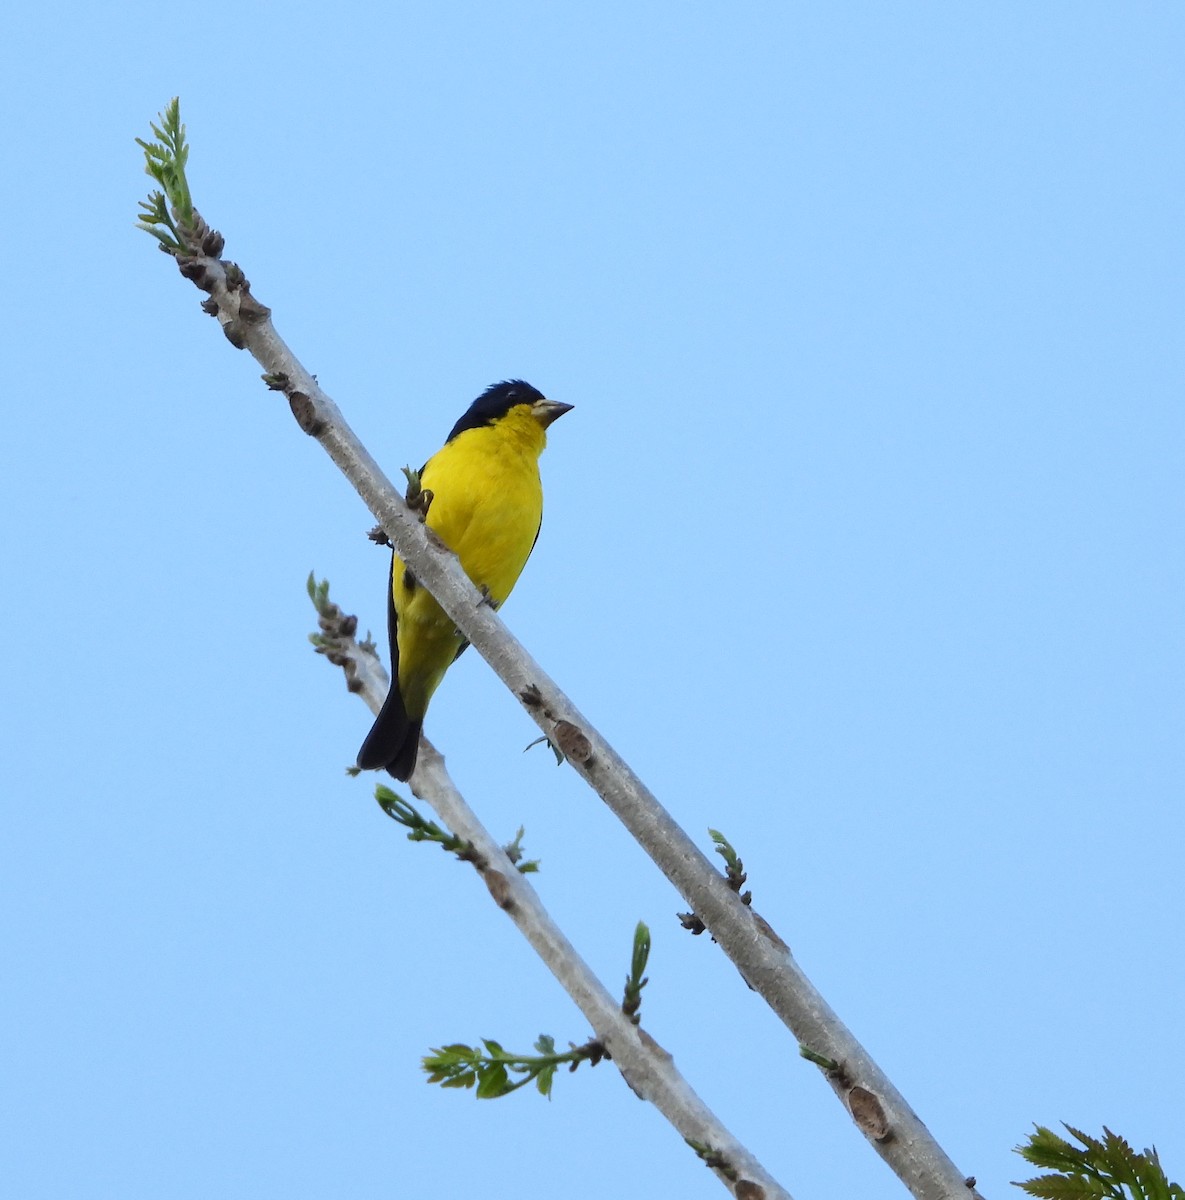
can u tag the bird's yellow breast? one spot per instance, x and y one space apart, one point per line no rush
487 503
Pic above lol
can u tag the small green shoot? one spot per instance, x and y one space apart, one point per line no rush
820 1060
636 980
714 1159
545 740
734 868
336 630
420 829
318 592
168 214
734 875
514 852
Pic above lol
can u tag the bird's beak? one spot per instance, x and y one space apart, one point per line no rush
547 411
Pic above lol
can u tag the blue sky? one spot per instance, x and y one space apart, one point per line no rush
864 544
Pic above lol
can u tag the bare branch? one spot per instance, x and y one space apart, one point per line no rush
646 1066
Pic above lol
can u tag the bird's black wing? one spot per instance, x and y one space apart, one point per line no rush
394 737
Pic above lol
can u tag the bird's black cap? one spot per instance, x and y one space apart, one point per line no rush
496 401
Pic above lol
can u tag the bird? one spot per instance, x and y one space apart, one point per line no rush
486 505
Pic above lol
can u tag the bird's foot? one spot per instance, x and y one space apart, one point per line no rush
419 498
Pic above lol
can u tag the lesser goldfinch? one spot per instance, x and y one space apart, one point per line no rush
486 506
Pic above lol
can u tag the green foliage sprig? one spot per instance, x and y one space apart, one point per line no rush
336 636
168 214
514 852
1098 1168
420 829
734 869
461 1066
490 1069
734 875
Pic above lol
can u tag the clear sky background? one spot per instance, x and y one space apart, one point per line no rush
864 544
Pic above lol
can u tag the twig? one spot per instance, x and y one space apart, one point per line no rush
646 1067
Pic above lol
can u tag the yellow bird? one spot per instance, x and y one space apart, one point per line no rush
487 506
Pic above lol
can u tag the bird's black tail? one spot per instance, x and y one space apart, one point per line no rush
393 741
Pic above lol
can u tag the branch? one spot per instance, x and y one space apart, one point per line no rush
647 1067
764 961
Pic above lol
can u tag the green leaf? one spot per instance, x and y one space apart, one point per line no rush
1048 1149
1152 1177
1063 1187
1121 1159
494 1082
1094 1151
544 1080
641 953
461 1081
